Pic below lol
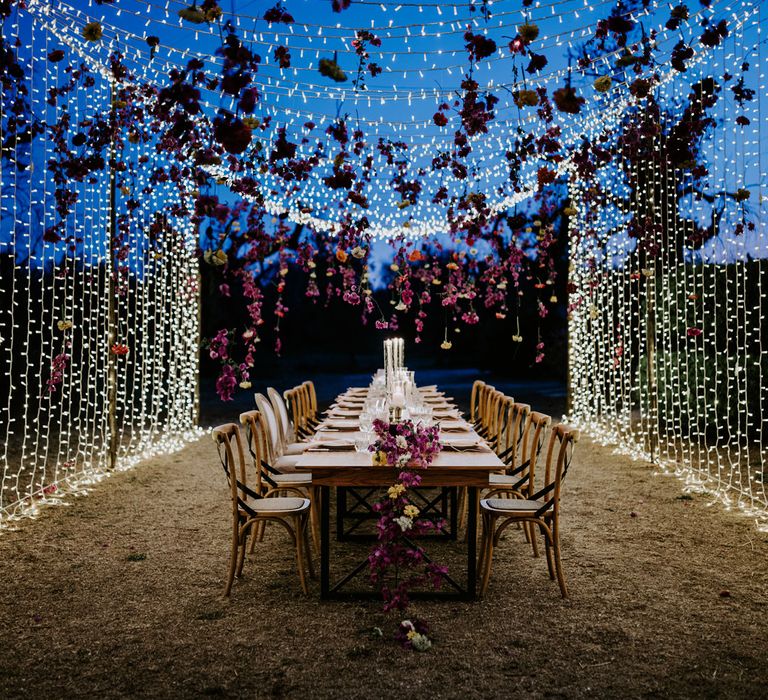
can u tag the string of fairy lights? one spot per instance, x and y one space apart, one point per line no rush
310 203
58 339
666 352
666 360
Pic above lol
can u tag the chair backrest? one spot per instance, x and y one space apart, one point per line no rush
268 413
534 436
474 399
229 444
295 401
559 454
258 446
485 407
513 438
562 438
497 419
312 398
281 413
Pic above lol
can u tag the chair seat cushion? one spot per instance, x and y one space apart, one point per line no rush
502 479
279 505
512 506
293 479
286 463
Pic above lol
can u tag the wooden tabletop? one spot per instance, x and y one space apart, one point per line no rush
453 466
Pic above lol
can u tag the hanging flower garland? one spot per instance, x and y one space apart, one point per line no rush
396 563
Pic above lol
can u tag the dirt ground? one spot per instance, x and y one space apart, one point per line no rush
119 595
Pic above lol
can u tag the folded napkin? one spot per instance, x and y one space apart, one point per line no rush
331 446
455 426
341 412
438 399
443 414
466 440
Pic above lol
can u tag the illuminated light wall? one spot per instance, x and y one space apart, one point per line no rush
57 340
668 347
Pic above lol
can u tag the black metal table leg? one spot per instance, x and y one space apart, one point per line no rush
472 541
325 545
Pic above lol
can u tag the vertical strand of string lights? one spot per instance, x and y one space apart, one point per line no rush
701 330
56 294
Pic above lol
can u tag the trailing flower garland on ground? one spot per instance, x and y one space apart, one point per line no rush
396 563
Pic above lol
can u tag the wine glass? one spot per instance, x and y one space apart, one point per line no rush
366 421
363 441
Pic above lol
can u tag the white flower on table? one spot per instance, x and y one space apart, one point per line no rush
402 443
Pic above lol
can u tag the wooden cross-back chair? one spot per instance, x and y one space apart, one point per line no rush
253 507
513 429
311 398
541 508
299 401
288 443
491 425
261 441
498 408
483 410
524 441
474 400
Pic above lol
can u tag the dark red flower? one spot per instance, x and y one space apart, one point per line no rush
283 56
714 34
567 101
536 63
680 54
231 133
277 15
479 46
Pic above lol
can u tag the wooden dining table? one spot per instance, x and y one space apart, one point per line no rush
464 462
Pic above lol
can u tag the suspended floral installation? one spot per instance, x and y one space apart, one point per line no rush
474 193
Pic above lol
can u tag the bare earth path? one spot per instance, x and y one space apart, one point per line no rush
119 595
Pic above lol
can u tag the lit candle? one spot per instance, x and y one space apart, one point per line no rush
398 397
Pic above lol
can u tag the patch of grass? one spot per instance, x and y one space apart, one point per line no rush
136 556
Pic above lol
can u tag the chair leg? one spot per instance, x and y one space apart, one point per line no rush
314 494
532 539
298 539
548 550
481 555
233 556
559 563
488 556
241 554
307 549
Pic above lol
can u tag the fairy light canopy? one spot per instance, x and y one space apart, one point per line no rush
256 140
391 113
